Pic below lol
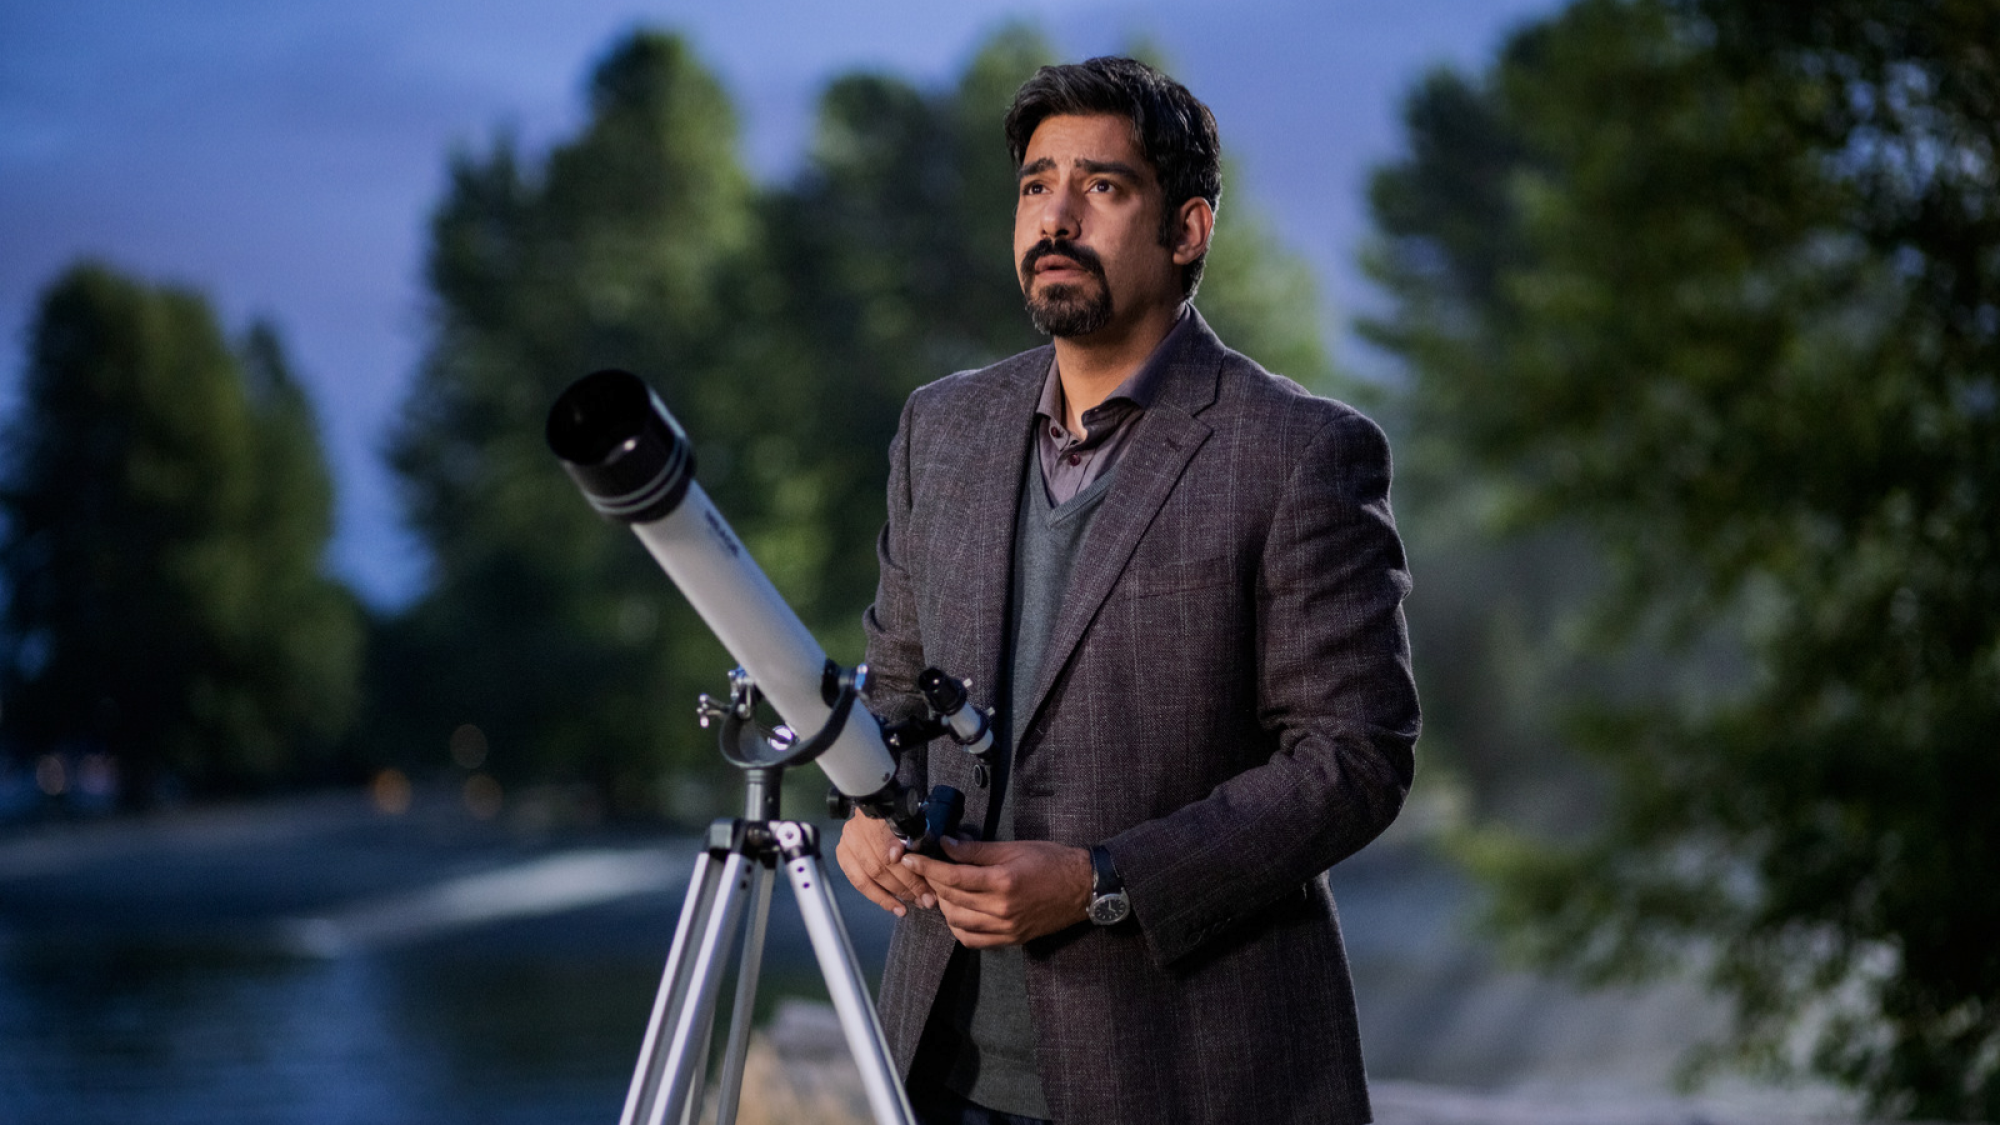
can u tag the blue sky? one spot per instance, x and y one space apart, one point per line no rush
283 157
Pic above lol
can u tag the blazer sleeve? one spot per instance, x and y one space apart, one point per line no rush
895 650
1334 685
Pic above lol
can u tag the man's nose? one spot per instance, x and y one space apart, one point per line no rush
1060 216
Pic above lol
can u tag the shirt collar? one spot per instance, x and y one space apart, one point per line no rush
1138 390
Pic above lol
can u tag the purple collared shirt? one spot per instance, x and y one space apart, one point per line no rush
1070 463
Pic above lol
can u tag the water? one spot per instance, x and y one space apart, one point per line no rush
118 1034
155 974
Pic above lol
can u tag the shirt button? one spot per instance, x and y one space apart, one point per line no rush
1074 458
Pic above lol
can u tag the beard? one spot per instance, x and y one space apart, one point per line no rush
1066 310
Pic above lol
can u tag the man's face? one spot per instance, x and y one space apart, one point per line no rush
1087 228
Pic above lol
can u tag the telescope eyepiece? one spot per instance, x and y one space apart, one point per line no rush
942 692
616 440
967 725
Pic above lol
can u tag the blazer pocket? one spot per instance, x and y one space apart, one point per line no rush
1151 580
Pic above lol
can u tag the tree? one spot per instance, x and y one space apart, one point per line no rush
884 265
1716 282
546 628
168 508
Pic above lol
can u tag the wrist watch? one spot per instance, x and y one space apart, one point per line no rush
1108 904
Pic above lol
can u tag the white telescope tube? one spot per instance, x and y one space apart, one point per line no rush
635 465
753 621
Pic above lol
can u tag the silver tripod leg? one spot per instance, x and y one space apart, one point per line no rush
704 1040
842 971
675 1048
737 1053
644 1090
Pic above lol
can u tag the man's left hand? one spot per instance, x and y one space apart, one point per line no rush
1007 892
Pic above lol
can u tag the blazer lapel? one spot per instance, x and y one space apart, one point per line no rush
1166 439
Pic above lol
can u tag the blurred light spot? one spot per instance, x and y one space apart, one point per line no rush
51 776
638 620
391 792
483 796
98 775
468 746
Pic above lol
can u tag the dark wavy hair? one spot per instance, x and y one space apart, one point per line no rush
1174 130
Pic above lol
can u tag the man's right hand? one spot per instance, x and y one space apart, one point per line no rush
872 857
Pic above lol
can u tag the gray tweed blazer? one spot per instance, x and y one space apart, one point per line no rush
1226 704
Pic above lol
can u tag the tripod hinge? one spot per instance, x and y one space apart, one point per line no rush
795 840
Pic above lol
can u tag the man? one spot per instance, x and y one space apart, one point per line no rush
1176 577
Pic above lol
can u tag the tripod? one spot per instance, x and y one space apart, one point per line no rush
732 876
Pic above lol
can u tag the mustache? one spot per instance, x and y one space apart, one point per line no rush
1083 256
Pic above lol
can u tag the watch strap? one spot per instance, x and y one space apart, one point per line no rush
1108 904
1104 878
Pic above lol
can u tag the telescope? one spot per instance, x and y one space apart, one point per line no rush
635 466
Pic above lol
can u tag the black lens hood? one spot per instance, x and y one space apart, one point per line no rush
616 440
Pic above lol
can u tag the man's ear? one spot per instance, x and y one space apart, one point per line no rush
1193 227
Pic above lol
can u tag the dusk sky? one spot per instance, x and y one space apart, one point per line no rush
283 158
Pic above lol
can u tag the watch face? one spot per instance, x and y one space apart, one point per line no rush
1109 910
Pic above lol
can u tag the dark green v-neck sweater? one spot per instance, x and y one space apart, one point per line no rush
993 1056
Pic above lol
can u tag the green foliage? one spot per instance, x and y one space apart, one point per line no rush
887 266
1718 283
167 509
1262 300
784 328
1259 297
544 626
